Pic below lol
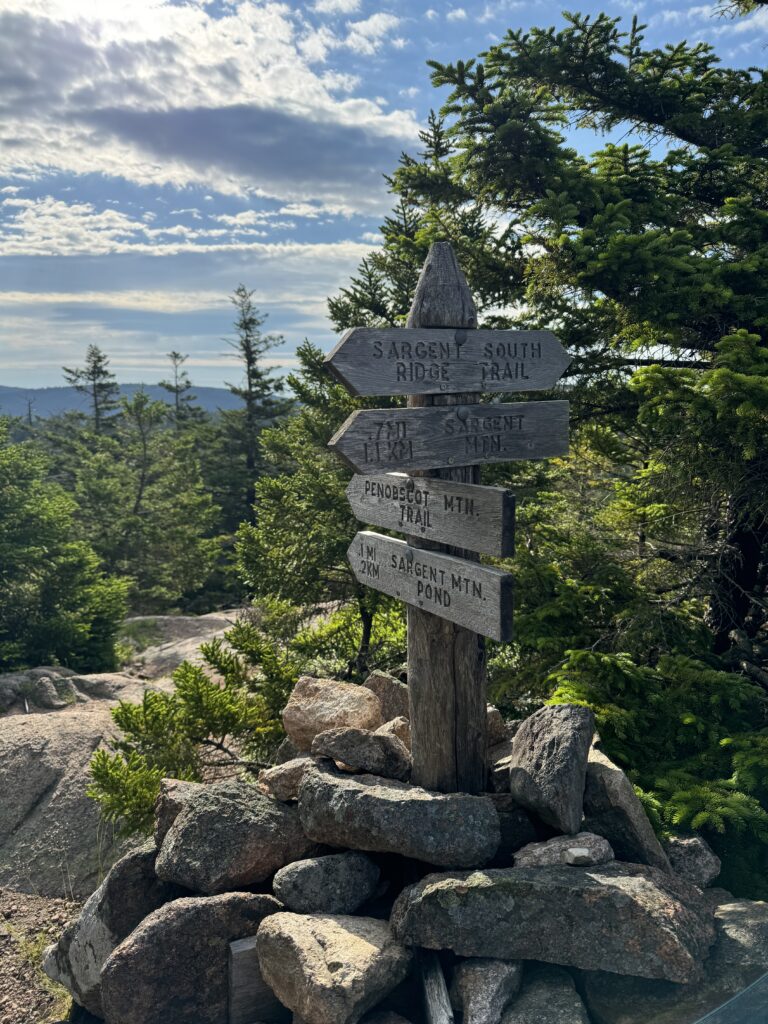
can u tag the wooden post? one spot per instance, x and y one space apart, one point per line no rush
446 663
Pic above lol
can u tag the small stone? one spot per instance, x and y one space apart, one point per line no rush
336 884
364 752
287 751
330 969
582 850
399 727
481 988
127 895
392 694
549 762
317 705
282 781
613 810
174 966
499 764
496 730
45 694
364 812
693 859
548 996
625 918
229 836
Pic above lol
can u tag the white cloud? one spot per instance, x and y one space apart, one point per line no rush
430 14
162 93
337 6
366 37
410 91
10 190
456 14
374 237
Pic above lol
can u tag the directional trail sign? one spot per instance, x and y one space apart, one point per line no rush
463 515
423 361
457 435
471 595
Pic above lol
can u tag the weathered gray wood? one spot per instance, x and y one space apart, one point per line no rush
251 1000
427 438
437 1002
465 515
477 597
446 663
410 361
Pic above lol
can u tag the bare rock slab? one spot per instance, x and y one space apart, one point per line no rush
338 883
365 752
693 859
549 763
130 892
619 917
174 965
317 705
481 988
738 957
330 969
582 850
229 836
282 781
613 810
364 812
392 694
548 996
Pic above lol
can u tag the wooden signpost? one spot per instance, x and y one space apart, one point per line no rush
418 361
461 435
464 515
472 595
444 364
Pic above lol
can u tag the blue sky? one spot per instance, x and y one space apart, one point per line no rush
153 155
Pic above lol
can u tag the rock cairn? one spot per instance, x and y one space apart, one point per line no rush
334 891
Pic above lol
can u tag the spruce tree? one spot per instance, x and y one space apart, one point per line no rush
179 387
96 382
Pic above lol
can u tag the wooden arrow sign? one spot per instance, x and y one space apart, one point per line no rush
423 361
463 515
456 435
471 595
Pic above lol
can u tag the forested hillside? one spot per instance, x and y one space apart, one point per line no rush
642 559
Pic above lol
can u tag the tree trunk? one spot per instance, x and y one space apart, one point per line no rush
736 576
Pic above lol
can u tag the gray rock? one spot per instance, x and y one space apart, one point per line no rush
548 996
330 969
53 841
336 884
582 850
392 694
612 810
282 781
385 1017
399 727
228 836
693 859
496 730
287 751
481 988
549 762
43 692
128 894
174 966
625 918
739 957
317 705
499 764
368 753
517 829
173 795
364 812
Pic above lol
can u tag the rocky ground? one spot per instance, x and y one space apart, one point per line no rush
54 849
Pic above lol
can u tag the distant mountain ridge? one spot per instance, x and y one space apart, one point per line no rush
47 402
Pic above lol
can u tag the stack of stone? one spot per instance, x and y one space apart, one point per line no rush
335 891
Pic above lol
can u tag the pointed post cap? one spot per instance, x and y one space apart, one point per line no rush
442 297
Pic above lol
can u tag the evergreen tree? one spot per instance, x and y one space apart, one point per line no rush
56 603
96 382
184 410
